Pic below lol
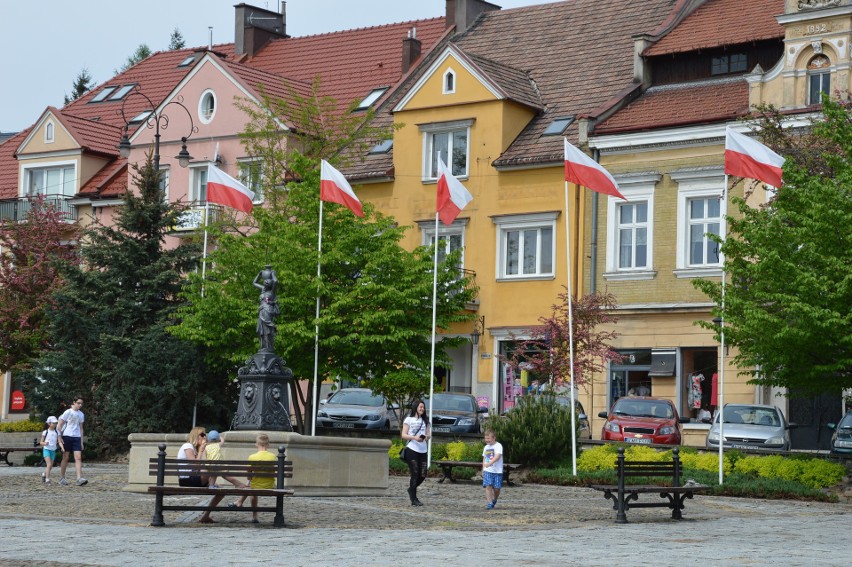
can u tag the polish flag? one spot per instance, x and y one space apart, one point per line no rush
335 189
452 196
583 170
745 157
225 190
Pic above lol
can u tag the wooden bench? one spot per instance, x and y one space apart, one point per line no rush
4 451
624 495
161 467
448 466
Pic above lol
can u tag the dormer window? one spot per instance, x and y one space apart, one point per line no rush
103 94
48 133
558 126
368 101
732 63
122 92
819 78
449 81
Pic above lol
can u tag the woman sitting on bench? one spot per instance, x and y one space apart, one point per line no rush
193 449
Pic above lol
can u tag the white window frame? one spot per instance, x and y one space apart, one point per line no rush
512 223
448 74
429 131
700 183
243 166
427 230
27 171
636 188
49 132
204 114
195 189
165 176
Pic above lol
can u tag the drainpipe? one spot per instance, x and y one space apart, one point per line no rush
596 155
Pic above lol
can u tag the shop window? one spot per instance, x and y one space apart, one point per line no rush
699 377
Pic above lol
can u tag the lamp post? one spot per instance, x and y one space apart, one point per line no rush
156 121
478 329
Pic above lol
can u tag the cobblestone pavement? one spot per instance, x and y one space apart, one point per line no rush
99 524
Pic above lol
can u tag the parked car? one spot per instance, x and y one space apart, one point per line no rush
642 420
455 413
751 426
841 441
584 431
357 408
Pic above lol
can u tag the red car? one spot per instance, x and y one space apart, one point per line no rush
643 421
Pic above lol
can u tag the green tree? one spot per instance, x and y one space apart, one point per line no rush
30 254
788 301
81 85
375 316
107 329
141 52
176 41
547 353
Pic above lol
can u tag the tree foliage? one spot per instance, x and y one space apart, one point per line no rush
141 52
30 255
176 40
788 301
107 329
547 351
375 297
81 85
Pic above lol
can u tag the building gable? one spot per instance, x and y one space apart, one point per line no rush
49 135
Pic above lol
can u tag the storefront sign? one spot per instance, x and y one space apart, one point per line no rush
18 401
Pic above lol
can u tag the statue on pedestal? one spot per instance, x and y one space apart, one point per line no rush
267 282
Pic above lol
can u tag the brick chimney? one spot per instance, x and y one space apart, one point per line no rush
410 50
254 27
462 13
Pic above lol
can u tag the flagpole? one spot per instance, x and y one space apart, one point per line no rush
204 253
724 231
316 329
570 335
432 358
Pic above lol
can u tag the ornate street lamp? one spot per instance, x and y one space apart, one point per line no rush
478 329
156 121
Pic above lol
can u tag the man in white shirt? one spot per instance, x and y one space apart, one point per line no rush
71 428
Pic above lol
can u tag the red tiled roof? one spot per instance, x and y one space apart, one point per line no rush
110 181
697 102
273 85
352 63
9 165
515 84
157 76
93 136
723 22
573 78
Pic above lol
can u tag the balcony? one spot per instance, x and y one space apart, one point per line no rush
17 209
192 218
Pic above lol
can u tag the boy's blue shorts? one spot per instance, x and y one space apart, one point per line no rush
492 479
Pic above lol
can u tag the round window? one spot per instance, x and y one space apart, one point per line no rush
207 106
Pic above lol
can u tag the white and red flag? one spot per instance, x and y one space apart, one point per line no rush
745 157
452 196
225 190
580 169
335 189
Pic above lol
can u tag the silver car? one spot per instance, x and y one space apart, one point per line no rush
751 426
356 408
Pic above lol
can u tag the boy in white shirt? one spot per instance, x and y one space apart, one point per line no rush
492 468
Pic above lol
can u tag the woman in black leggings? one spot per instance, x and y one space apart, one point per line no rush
417 431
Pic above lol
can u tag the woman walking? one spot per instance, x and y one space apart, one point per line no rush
417 431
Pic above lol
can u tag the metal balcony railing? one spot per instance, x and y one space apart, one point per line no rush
193 217
17 209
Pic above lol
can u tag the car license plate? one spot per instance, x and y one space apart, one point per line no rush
344 425
441 429
639 440
742 447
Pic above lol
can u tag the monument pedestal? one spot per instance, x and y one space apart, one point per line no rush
264 401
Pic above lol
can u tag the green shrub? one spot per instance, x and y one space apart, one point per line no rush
18 426
473 451
456 451
536 432
813 473
708 462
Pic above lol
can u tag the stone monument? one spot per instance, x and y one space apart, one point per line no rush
264 399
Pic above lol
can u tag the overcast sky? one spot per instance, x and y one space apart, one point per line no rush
46 43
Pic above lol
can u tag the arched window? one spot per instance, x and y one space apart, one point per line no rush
819 78
449 81
48 133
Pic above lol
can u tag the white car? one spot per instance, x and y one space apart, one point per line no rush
751 426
